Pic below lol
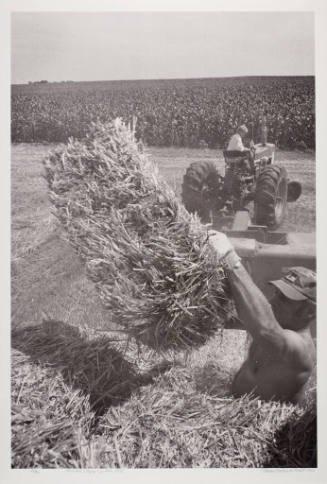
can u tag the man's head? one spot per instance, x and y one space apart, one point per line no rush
242 130
294 303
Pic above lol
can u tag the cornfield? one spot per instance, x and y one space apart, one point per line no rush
192 113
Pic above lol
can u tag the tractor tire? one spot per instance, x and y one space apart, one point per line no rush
201 186
271 196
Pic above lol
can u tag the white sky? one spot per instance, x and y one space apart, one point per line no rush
140 45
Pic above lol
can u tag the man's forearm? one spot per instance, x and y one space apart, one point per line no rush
253 308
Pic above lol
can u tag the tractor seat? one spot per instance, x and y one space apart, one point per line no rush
238 159
232 154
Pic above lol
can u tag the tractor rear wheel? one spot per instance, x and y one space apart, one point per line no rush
271 196
200 190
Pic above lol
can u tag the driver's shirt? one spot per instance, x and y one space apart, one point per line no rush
235 143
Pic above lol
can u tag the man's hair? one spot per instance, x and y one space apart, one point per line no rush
242 129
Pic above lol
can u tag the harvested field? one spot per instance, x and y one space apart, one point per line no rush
82 399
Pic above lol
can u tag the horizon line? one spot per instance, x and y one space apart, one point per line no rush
45 81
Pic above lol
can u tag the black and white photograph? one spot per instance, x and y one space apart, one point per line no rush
163 239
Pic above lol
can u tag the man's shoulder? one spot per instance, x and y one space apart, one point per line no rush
299 348
291 347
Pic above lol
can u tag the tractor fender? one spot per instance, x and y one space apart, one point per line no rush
294 190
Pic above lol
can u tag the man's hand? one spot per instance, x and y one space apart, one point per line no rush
220 243
223 249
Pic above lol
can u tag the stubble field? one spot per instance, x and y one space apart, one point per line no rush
81 398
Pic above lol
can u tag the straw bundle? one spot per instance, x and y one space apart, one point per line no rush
148 257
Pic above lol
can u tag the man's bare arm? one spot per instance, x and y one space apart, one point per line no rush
252 306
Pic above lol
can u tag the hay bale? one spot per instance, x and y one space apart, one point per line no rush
148 257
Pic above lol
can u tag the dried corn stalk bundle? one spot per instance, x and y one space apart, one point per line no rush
148 257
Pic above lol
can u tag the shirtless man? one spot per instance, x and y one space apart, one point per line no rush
282 354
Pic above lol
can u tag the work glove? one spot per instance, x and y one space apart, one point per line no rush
223 249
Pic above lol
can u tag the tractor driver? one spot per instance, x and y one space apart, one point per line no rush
236 143
282 353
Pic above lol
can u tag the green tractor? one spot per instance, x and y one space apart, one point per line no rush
254 183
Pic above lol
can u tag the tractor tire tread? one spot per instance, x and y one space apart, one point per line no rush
265 198
197 175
